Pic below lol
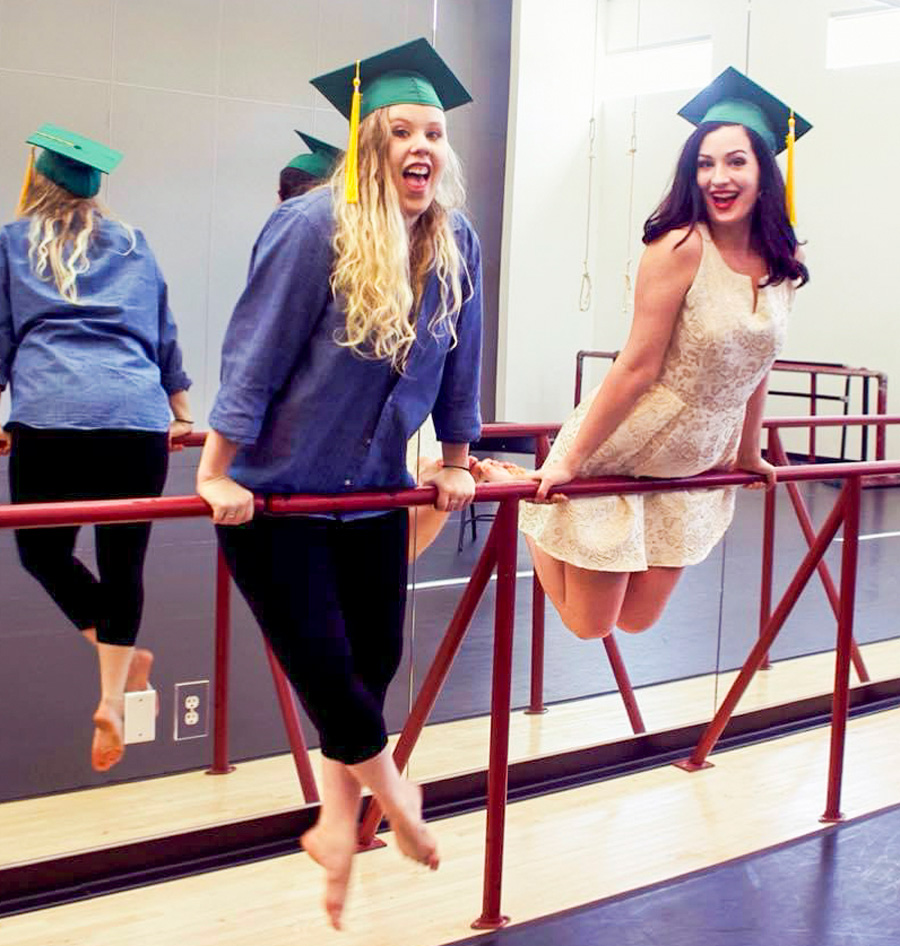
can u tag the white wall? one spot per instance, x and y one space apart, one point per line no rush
847 205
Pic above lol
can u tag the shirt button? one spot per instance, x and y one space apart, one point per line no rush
348 482
368 441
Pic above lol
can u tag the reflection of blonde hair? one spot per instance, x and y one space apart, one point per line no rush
380 269
59 233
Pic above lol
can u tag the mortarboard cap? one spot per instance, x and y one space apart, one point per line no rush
72 161
319 160
411 74
732 97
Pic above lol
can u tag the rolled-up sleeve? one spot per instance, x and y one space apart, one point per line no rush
457 410
287 289
7 345
172 374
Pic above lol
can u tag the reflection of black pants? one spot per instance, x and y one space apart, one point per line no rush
330 597
66 465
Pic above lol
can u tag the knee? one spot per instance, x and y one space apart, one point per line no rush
34 559
586 628
636 623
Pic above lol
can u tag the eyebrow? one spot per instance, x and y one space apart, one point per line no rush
743 151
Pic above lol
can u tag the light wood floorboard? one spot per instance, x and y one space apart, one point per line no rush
38 828
563 850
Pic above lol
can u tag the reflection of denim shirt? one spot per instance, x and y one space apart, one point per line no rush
107 361
313 416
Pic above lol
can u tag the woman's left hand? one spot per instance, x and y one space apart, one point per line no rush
5 442
456 488
758 465
178 428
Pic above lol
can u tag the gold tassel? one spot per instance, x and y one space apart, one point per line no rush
789 183
351 165
26 183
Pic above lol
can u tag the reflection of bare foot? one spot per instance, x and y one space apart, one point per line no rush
500 471
139 670
413 837
332 850
108 746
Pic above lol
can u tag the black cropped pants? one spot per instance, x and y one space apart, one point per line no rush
68 465
330 596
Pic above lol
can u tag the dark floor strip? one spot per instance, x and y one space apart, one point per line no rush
837 887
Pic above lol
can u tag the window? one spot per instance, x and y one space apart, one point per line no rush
662 68
864 38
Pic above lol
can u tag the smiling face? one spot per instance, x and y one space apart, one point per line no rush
728 175
417 155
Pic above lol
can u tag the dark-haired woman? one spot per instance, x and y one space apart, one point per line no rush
686 394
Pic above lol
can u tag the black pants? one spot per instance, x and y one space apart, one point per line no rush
65 465
330 597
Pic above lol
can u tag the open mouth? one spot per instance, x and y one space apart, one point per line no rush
416 177
724 201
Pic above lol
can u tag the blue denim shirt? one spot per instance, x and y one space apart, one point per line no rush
312 416
106 362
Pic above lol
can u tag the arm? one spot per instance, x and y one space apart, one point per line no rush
664 277
749 456
5 437
231 503
182 422
457 410
7 348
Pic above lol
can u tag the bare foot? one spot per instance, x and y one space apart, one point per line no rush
500 471
333 851
108 746
413 837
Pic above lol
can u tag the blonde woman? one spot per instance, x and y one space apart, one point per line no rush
89 349
359 317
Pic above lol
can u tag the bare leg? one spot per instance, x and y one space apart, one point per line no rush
108 745
401 801
647 595
141 663
332 842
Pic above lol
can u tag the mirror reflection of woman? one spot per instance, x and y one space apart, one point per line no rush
686 394
358 319
89 349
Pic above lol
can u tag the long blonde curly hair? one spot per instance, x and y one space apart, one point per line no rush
61 226
380 268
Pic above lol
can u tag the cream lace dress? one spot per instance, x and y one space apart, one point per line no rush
688 422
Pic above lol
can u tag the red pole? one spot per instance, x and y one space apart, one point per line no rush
841 702
538 603
813 409
501 697
220 764
437 673
768 562
806 527
292 727
712 732
881 408
624 684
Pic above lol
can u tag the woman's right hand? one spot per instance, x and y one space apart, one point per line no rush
231 504
5 442
550 475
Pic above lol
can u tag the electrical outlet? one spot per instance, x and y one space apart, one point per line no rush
191 710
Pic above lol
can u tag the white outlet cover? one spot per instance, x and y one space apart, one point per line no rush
140 716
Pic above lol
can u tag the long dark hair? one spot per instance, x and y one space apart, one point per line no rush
771 233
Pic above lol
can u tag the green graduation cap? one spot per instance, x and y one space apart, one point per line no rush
411 74
319 160
72 161
732 97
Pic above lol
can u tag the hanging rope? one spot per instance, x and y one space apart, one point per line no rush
584 295
632 151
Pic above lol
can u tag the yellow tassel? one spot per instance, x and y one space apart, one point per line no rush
26 183
351 165
789 183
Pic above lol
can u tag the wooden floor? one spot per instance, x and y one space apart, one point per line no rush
43 827
563 849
